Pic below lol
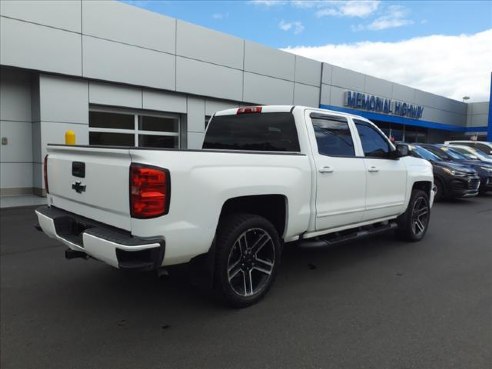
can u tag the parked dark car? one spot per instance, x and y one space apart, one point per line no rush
447 153
452 180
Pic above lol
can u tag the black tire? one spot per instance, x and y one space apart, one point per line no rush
248 251
413 224
440 195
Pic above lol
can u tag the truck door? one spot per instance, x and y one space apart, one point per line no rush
386 177
340 175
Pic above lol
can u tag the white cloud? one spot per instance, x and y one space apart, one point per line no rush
396 16
268 3
452 66
296 27
351 8
339 8
220 16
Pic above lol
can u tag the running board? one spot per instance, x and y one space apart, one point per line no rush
346 236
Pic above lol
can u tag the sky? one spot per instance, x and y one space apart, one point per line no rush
443 47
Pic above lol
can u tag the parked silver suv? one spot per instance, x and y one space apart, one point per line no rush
484 146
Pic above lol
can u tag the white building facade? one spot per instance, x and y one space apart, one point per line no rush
120 75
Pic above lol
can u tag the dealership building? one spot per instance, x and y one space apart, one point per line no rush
119 75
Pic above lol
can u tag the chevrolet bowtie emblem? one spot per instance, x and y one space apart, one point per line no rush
78 187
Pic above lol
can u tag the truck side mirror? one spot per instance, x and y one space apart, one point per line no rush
401 151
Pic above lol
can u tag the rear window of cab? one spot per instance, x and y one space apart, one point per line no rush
253 132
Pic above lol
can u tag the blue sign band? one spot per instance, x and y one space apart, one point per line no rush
408 121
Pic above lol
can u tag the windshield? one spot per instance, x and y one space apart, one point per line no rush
256 132
469 153
454 154
425 154
438 152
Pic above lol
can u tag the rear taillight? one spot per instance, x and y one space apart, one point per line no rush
45 173
249 110
150 191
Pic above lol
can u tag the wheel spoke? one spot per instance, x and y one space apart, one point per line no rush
260 242
242 243
234 270
419 225
248 283
263 266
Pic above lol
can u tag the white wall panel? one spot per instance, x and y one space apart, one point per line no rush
128 24
327 73
63 99
196 115
15 175
15 95
212 106
115 95
267 61
54 133
308 71
337 96
325 94
207 79
423 98
452 106
378 87
37 175
195 140
306 95
404 93
436 115
267 90
479 107
63 14
347 79
163 101
31 46
479 120
19 147
207 45
36 142
112 61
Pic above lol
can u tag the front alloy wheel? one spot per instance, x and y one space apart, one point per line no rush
420 216
413 224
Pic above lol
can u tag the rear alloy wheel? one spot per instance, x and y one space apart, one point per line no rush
248 255
413 224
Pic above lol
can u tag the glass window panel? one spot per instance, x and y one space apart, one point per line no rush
111 139
159 124
256 132
333 137
99 119
373 143
158 141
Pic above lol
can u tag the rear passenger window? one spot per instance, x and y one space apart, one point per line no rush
373 142
332 135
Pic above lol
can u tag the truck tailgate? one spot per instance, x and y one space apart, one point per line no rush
92 182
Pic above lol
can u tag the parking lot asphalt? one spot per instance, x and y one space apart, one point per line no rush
376 303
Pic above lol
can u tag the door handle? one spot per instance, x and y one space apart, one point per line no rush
373 169
326 169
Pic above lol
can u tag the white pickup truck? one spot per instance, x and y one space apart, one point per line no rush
266 176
